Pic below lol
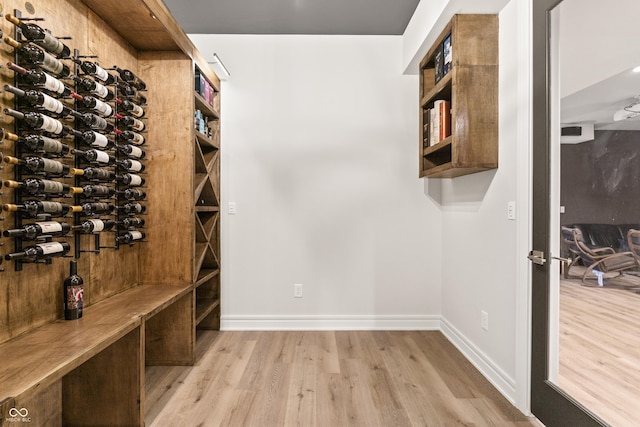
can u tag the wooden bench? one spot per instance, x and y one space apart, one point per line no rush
91 370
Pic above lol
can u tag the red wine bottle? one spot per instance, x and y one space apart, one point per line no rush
95 156
92 138
133 194
35 186
39 99
94 122
40 121
132 222
128 106
39 36
96 191
39 164
39 57
73 293
131 122
95 225
40 251
102 108
132 137
35 207
43 144
131 236
130 78
133 208
95 88
99 174
37 229
132 151
40 79
97 208
131 179
131 165
93 69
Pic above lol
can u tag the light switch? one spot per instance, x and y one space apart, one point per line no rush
231 209
511 210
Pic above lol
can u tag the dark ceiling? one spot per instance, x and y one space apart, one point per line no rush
362 17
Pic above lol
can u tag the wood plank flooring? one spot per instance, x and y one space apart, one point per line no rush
325 378
600 348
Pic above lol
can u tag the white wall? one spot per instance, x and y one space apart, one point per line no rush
319 139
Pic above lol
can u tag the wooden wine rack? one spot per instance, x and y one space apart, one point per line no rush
141 301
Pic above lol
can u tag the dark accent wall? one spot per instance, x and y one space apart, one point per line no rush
600 179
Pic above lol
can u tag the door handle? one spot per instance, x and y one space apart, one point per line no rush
565 260
537 257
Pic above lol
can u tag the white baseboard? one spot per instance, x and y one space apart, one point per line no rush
329 322
492 372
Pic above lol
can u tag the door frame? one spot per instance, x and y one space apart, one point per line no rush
549 403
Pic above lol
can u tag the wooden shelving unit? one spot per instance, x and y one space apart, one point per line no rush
471 86
207 212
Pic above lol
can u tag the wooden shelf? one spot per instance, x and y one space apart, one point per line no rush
471 88
204 308
207 208
205 140
207 274
205 107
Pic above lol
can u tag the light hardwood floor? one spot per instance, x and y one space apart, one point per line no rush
600 348
332 379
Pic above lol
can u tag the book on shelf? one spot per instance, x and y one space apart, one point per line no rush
440 121
426 118
438 63
447 54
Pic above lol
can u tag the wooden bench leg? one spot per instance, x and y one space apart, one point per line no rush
170 334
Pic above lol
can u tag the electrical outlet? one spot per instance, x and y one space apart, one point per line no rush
297 290
484 320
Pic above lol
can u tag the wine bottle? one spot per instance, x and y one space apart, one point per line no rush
35 207
34 186
97 208
133 208
131 122
92 138
39 99
94 122
95 156
132 137
132 222
96 191
131 236
43 144
102 108
95 225
130 78
37 229
95 173
128 106
131 165
39 164
39 121
39 57
39 36
133 194
40 79
132 151
126 91
93 69
40 251
131 179
73 293
95 88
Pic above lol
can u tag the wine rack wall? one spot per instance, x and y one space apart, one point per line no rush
62 99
